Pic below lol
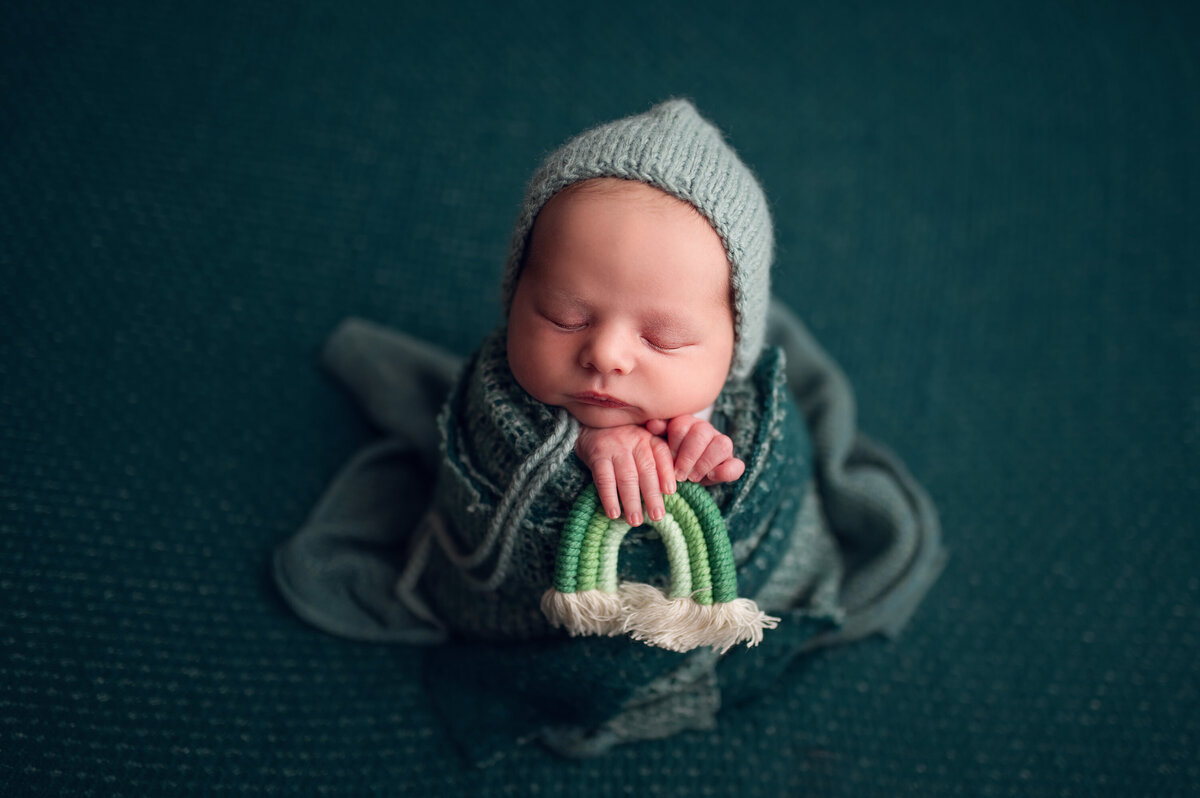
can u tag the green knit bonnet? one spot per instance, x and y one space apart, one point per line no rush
672 148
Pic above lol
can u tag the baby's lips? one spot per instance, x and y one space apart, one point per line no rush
599 399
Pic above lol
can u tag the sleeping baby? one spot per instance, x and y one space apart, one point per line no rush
648 451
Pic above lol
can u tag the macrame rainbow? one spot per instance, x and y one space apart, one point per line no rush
701 608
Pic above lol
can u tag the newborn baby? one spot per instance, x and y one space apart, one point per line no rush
641 354
636 297
623 315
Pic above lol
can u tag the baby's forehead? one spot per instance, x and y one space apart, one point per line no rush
591 225
640 197
633 191
633 195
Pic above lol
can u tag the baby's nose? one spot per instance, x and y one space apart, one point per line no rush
608 352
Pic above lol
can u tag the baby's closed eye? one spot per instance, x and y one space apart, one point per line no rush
664 344
668 334
568 322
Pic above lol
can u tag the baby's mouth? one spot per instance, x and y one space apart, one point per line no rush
598 400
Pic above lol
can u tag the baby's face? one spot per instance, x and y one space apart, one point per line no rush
622 312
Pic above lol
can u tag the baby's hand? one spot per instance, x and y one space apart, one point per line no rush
630 466
701 454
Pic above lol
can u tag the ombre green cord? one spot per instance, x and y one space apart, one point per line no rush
716 540
693 534
701 607
693 531
566 567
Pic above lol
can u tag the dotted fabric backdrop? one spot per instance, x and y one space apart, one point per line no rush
986 213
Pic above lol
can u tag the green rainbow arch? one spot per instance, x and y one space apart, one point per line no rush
701 607
693 531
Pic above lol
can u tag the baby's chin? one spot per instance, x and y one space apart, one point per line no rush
604 417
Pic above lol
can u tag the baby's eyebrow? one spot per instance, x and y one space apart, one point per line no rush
560 295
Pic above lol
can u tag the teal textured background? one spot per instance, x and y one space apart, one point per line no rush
987 214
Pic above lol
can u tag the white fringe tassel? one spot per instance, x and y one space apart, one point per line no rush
681 624
588 612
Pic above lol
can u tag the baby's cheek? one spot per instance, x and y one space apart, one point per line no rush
534 369
525 375
705 380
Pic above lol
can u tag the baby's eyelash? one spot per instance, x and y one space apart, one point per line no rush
662 347
563 325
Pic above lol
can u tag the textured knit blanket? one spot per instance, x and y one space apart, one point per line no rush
446 531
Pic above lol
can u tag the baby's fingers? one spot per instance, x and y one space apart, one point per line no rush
653 457
656 426
729 471
690 450
629 487
605 478
657 476
666 465
719 450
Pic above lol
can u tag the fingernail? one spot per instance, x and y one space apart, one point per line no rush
680 475
671 487
635 520
656 515
614 513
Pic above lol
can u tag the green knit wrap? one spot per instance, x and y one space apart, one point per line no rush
507 457
831 535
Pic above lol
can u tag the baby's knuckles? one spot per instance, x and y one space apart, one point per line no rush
627 464
680 428
607 443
